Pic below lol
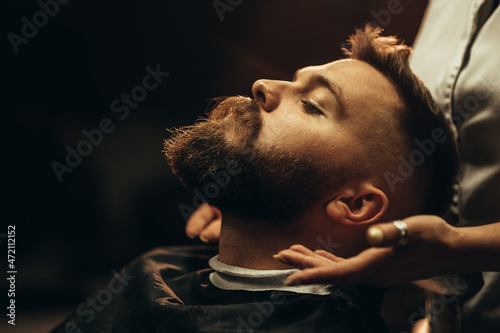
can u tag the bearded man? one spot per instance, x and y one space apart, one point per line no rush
313 161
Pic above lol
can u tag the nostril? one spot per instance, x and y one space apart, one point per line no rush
261 96
266 94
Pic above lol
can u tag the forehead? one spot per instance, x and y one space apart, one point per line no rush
361 83
347 67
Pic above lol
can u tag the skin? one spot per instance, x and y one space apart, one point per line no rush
320 267
304 116
205 222
289 124
327 133
454 250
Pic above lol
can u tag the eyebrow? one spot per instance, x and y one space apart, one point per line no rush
333 87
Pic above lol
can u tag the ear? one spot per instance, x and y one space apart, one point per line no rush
357 203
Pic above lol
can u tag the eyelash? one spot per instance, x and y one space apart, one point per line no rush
310 108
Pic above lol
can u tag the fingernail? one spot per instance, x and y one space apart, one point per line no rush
280 258
203 239
375 236
290 282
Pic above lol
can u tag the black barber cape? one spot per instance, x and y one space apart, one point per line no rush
170 290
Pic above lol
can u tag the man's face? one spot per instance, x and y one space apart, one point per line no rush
327 112
305 137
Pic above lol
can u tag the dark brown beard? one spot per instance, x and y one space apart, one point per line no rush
232 174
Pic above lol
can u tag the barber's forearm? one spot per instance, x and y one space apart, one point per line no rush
479 248
468 249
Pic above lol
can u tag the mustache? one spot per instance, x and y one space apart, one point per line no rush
233 105
233 125
239 118
210 145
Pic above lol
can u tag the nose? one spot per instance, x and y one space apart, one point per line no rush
268 93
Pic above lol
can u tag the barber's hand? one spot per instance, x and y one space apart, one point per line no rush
205 223
429 252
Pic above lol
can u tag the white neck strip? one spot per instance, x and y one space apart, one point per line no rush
229 277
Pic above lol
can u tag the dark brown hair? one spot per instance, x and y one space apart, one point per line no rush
421 118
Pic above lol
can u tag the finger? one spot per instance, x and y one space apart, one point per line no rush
301 249
328 255
298 259
385 234
323 274
211 233
357 269
325 259
420 228
200 218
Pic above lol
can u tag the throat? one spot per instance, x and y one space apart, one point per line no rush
245 247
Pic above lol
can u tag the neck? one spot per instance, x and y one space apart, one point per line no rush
252 244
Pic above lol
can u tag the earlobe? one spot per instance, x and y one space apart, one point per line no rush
362 204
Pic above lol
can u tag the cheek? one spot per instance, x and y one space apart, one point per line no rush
283 131
312 137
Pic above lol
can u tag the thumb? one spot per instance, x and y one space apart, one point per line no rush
384 234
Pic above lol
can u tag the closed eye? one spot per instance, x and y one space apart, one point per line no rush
311 109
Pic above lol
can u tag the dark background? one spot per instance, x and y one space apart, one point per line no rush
122 200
